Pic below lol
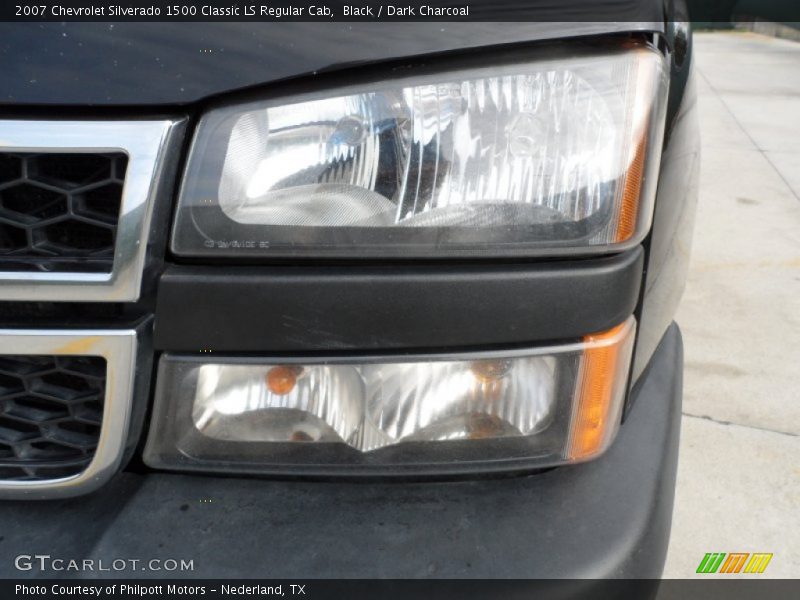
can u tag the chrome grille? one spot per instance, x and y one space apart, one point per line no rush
70 229
65 406
78 201
59 212
51 410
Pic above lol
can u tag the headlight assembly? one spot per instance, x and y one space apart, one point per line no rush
550 156
503 410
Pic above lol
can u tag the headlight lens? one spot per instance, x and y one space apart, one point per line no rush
505 410
548 156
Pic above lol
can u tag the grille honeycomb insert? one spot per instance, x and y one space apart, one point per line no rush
51 410
59 212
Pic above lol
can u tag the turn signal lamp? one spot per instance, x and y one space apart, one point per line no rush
496 411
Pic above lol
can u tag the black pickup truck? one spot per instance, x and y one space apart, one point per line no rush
304 299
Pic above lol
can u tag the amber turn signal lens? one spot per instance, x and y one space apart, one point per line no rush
629 206
596 412
628 212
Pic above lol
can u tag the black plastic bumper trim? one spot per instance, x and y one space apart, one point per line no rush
278 309
605 518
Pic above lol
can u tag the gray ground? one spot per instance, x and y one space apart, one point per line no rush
739 471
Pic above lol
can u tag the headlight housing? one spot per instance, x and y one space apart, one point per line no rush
498 411
553 155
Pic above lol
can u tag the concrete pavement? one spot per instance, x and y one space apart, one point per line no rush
739 471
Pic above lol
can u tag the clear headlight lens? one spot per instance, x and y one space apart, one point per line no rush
537 407
549 156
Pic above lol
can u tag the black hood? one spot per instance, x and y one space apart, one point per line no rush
138 64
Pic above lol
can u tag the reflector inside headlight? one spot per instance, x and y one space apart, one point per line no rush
548 156
537 407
